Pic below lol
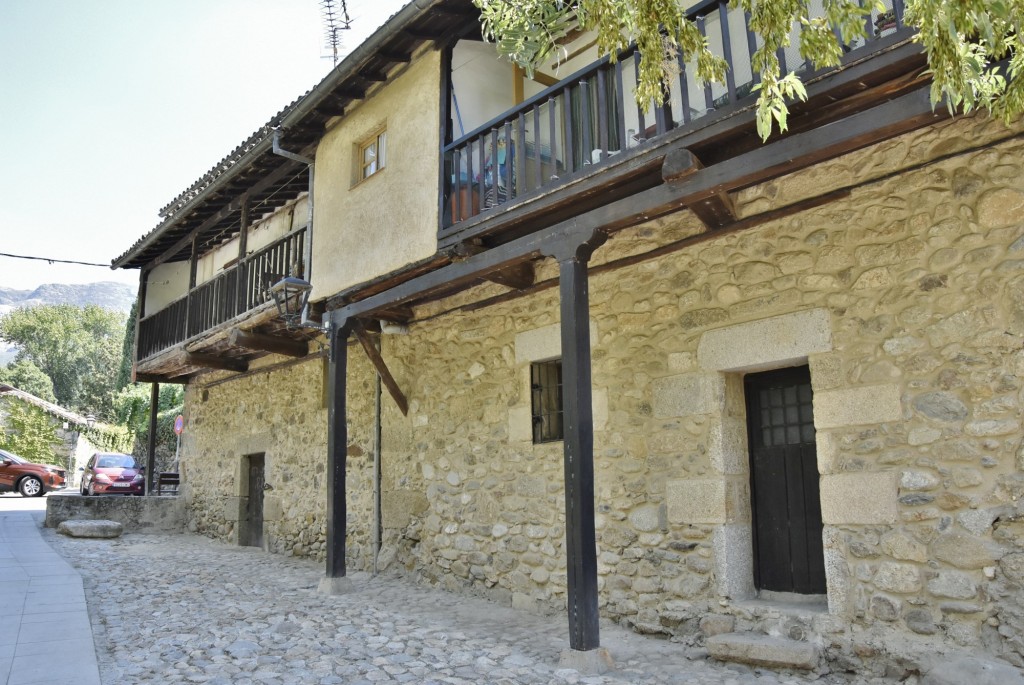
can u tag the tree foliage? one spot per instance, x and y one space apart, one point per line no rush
79 348
29 432
963 39
131 408
26 376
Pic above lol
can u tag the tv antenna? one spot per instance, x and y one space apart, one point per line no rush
335 17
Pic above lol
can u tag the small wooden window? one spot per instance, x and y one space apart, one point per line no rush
373 155
546 393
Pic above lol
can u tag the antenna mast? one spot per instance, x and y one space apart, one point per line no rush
335 17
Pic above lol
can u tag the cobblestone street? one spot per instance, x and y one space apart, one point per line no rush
181 608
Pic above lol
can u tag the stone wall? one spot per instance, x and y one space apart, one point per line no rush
906 299
136 514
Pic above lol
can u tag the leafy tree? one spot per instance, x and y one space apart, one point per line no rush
124 371
29 432
26 376
963 40
79 348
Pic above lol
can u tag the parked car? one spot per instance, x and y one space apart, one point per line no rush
31 480
110 473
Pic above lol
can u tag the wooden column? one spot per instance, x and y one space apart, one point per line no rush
154 405
337 449
241 282
578 441
193 264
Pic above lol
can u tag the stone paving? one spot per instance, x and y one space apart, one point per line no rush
185 609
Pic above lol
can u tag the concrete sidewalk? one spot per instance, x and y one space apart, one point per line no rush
45 634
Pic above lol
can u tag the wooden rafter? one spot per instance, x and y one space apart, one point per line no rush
268 343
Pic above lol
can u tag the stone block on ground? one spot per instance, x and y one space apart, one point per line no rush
762 650
91 529
973 670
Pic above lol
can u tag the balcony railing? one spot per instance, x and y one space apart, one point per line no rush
588 118
236 291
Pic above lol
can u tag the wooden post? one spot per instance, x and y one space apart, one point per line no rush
337 450
578 442
193 264
241 279
154 405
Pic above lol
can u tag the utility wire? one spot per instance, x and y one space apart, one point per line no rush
52 260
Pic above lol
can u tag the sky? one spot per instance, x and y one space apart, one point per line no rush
111 108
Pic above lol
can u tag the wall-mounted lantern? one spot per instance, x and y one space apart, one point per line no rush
291 295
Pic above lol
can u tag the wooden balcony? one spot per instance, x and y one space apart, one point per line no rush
234 293
542 152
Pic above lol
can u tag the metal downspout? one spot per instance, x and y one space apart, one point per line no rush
307 251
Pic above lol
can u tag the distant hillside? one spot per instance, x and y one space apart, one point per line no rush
109 294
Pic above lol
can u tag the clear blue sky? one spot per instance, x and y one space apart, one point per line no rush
110 108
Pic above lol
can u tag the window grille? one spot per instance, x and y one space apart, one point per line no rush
546 394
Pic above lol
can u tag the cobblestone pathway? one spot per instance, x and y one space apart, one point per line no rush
184 609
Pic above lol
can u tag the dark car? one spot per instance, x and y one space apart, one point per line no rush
31 480
110 473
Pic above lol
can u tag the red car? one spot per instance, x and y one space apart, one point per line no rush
31 480
109 473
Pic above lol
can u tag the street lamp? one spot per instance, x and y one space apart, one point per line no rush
291 295
90 420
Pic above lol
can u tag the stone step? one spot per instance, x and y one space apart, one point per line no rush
762 650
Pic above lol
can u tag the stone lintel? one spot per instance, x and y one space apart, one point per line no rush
762 650
767 343
543 343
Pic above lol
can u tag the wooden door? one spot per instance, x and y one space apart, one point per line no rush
252 531
787 528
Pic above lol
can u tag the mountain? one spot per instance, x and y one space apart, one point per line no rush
109 294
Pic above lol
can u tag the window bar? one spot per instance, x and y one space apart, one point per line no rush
588 143
457 187
869 29
709 102
730 72
684 90
553 149
570 166
752 48
515 156
641 124
621 109
783 69
602 114
538 181
897 8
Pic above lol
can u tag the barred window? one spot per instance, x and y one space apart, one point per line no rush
546 394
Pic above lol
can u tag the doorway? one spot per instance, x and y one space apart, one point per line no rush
785 500
251 534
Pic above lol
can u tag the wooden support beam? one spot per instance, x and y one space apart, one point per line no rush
210 361
716 210
337 450
156 378
351 92
268 343
395 314
395 56
373 76
382 368
578 440
154 405
519 276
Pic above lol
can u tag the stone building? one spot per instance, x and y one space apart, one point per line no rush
635 365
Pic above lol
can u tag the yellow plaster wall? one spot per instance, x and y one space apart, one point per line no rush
363 230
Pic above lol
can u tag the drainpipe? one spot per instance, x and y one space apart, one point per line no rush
307 252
